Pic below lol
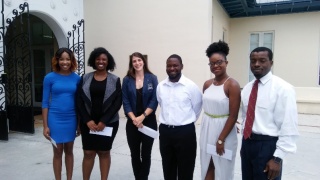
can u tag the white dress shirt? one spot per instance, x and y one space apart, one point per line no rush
275 112
180 102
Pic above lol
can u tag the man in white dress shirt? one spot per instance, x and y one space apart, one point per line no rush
274 130
181 102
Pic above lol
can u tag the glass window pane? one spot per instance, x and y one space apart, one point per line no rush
254 41
267 40
260 39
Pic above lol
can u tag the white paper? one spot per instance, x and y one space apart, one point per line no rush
149 132
107 131
211 149
53 142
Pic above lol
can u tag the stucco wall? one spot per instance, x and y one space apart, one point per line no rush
220 23
296 52
59 15
155 28
296 46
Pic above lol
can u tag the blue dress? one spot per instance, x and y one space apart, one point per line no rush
59 97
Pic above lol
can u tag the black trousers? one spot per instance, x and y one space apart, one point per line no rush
178 148
140 147
255 153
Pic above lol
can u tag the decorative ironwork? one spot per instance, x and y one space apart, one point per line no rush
2 53
18 68
16 63
77 45
3 112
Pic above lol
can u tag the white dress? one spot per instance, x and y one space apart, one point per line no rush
216 103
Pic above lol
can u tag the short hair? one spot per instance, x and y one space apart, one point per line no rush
96 53
220 47
260 49
175 56
131 70
57 56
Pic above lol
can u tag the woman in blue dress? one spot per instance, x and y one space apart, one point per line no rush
58 109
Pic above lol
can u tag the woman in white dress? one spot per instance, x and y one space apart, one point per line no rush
221 102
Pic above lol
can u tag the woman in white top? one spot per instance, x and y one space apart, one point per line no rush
221 102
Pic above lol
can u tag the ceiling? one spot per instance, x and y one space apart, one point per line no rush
247 8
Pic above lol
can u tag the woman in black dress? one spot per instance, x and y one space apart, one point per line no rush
99 100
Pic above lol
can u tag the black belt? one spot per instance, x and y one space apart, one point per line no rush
260 137
175 126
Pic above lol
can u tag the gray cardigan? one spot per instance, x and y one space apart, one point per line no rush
111 102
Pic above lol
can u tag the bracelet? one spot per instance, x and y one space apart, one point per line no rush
145 114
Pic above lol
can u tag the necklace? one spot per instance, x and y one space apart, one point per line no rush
217 83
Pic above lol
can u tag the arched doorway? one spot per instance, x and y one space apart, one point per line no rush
43 46
27 44
30 45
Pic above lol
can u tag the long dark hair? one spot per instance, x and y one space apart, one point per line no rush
131 71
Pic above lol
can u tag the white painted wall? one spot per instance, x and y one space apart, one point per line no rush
296 52
152 27
296 46
220 23
59 15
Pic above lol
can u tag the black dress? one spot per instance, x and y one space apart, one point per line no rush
92 141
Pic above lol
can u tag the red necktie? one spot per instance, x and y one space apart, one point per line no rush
251 110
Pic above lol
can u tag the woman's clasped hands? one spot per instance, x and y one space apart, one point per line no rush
137 121
95 127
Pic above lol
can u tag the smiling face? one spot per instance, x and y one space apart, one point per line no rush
64 62
137 63
174 67
218 64
101 62
260 63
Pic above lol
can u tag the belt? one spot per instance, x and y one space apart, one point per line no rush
216 116
260 137
175 126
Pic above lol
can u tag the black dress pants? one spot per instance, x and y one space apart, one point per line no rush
140 147
255 153
178 148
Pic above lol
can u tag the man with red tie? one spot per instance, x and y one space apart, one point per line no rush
270 126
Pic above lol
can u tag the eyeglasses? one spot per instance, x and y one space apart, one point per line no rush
218 63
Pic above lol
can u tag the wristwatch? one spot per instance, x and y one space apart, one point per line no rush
145 114
220 141
277 160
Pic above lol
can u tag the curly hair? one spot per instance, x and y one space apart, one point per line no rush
96 53
131 71
220 47
57 56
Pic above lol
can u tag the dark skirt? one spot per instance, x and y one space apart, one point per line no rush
97 142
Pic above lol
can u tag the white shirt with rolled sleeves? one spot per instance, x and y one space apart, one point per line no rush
180 102
275 113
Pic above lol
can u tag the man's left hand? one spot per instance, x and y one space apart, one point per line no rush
273 169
